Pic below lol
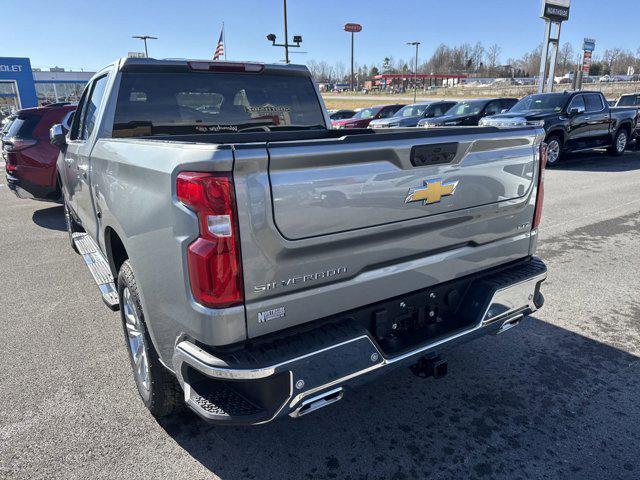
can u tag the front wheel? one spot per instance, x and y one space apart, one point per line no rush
554 150
157 387
619 143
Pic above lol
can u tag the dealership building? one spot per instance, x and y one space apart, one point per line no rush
22 86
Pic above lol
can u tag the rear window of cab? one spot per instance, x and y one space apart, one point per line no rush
192 103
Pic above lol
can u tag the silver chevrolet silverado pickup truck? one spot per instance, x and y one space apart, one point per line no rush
264 263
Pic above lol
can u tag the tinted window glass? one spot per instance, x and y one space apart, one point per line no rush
577 102
628 101
23 126
411 111
91 115
81 110
192 103
594 102
367 112
389 111
544 102
467 108
341 115
493 108
508 103
6 124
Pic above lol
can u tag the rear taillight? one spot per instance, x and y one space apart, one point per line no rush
215 271
537 216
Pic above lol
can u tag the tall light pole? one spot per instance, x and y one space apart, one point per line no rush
144 38
415 71
352 28
297 39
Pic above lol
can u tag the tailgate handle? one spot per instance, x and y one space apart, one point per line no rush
433 154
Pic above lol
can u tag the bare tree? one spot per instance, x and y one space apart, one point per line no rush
565 59
493 55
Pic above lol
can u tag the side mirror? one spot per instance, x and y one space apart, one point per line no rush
57 135
575 111
504 110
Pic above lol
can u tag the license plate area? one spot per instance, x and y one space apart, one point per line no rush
401 324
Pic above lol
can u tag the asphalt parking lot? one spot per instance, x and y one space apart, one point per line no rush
557 397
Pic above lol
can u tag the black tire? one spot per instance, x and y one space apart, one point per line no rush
619 143
160 392
72 225
552 158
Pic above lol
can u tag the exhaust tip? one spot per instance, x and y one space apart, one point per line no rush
319 401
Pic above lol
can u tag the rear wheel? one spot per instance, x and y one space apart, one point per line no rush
157 387
619 143
554 150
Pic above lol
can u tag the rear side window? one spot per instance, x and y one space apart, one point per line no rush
202 102
629 101
594 102
23 126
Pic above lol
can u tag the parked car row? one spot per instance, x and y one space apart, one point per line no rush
411 115
572 120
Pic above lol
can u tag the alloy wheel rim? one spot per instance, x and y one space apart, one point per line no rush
622 142
135 336
553 151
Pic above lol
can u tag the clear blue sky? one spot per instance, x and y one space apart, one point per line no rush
89 34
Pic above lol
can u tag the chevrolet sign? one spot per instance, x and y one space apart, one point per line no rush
555 10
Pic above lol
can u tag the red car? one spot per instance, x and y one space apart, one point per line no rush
364 116
30 158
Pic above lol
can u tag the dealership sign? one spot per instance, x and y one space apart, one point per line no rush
589 44
555 10
353 27
11 68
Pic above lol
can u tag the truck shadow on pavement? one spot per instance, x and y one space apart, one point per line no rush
599 161
51 218
537 402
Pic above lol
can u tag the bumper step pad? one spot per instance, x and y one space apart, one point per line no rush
99 268
221 400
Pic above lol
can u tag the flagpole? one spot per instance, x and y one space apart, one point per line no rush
224 42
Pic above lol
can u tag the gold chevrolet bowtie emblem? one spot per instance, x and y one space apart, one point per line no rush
431 192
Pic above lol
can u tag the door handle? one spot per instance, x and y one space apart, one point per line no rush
586 119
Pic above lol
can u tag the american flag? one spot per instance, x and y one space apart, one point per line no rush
220 48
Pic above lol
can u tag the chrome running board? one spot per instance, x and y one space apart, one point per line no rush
99 268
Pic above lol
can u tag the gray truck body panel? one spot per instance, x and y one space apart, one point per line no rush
323 222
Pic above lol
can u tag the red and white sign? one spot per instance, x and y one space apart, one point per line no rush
352 27
586 62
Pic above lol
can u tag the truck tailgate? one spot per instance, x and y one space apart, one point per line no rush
331 225
330 187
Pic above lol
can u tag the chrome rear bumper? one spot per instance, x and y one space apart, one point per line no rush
315 377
